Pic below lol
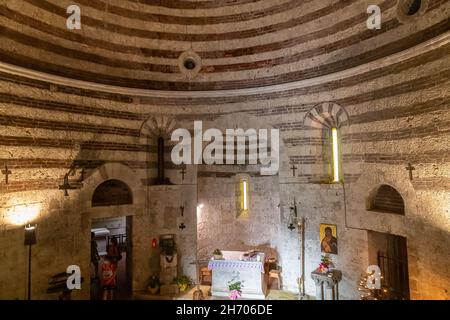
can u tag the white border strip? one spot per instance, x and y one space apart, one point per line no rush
422 48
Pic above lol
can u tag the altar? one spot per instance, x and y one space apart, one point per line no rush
232 266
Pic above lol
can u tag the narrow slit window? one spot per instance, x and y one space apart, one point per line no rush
244 195
336 157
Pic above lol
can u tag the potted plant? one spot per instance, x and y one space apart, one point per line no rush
153 285
217 254
183 283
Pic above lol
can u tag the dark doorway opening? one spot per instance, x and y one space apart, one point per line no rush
112 237
389 252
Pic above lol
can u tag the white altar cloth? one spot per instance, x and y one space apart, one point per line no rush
237 265
251 273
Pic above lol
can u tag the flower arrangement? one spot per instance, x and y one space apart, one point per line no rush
326 264
183 282
235 287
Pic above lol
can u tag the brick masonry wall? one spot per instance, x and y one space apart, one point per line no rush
279 43
397 114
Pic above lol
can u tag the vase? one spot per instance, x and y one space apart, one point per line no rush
154 290
218 257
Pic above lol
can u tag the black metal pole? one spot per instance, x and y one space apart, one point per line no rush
29 272
161 160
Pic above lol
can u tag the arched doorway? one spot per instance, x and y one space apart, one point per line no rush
111 240
389 251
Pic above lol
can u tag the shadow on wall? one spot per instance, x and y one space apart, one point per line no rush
63 220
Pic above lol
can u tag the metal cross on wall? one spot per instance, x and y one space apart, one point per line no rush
293 169
6 172
183 172
410 168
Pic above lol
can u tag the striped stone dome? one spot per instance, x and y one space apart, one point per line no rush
209 45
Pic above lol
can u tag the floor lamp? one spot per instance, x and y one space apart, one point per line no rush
30 239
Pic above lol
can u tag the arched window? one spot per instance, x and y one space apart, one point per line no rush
329 117
387 199
111 193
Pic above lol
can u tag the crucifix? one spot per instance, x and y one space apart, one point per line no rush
410 168
293 169
6 172
183 172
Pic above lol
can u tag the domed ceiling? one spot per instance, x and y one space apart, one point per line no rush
208 45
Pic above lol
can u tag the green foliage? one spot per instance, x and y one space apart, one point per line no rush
217 252
326 259
183 281
235 283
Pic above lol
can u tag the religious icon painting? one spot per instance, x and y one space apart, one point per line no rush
328 238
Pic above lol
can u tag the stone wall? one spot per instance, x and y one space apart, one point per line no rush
164 218
393 84
219 226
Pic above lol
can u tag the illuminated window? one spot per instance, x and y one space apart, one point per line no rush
243 198
244 195
336 170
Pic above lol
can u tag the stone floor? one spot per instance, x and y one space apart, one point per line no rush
273 294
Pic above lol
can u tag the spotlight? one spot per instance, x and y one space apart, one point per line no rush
30 234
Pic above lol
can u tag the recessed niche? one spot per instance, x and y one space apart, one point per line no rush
387 199
189 63
112 193
409 10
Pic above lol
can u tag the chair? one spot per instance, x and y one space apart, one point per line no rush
205 276
275 274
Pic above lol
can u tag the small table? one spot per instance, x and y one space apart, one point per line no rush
327 284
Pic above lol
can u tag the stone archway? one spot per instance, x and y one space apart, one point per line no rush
131 203
389 224
364 188
112 192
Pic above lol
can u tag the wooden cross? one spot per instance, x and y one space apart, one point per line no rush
293 169
6 172
183 172
410 168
